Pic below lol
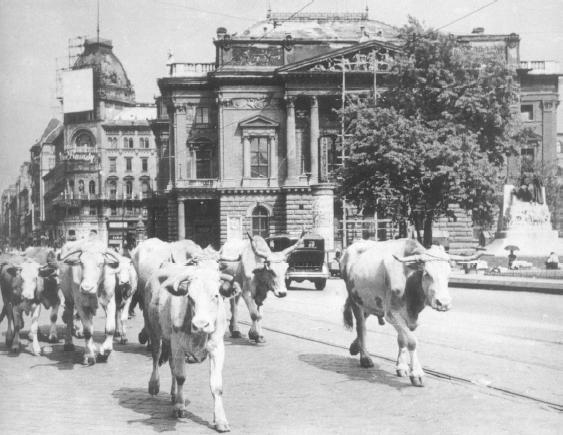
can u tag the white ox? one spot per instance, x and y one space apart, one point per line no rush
185 315
257 270
87 274
395 280
125 289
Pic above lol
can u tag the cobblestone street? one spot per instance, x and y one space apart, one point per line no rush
288 385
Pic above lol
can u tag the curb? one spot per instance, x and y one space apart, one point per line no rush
550 286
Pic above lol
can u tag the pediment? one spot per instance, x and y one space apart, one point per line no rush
258 121
362 57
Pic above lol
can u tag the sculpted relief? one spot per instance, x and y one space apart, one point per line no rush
256 56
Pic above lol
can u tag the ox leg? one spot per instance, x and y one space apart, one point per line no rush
53 329
216 348
8 309
178 369
416 373
35 348
121 319
403 357
233 324
89 348
68 319
359 344
77 328
17 313
255 332
107 346
156 350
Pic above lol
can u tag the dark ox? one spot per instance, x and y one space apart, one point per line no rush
395 280
87 274
26 285
257 270
185 316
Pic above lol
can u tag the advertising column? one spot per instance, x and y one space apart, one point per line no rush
323 213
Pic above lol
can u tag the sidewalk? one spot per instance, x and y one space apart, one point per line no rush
553 286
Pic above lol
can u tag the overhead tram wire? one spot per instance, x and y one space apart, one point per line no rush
467 15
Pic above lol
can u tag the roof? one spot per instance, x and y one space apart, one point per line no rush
318 26
52 131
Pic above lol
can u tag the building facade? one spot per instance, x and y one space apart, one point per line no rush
106 170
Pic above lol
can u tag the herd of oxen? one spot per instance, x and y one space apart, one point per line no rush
182 290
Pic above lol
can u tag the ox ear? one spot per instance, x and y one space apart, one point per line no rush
176 287
229 287
13 270
46 271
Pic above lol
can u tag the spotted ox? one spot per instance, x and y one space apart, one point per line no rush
25 286
257 270
185 315
87 273
395 280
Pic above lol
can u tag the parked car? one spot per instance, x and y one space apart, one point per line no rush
306 262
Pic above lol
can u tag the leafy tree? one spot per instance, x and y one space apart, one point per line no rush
439 135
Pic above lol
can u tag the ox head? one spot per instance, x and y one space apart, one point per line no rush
37 279
433 264
92 263
201 289
125 278
271 276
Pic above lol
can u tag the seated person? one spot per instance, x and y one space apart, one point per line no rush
552 261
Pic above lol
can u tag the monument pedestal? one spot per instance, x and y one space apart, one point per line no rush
526 225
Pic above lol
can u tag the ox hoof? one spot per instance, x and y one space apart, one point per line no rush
253 335
236 334
103 357
123 340
180 412
89 360
36 351
78 334
154 387
68 347
53 339
366 362
354 348
417 381
143 337
402 373
222 427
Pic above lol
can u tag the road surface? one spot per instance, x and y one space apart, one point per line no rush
502 351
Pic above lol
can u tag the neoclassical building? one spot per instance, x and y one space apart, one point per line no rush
251 142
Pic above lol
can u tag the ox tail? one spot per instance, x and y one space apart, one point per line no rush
348 314
165 353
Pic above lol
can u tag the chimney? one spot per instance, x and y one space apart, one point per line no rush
478 30
221 32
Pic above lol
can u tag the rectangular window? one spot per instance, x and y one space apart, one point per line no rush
93 210
128 164
112 166
259 157
527 112
145 165
113 210
203 163
202 115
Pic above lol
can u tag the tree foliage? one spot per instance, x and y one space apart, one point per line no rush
439 135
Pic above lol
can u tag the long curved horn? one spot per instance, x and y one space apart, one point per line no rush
409 258
233 259
227 277
292 248
466 258
256 252
70 254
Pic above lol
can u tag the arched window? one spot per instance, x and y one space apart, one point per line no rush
145 188
260 222
125 142
80 186
130 142
71 186
129 187
92 187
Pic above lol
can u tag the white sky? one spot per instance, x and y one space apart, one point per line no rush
33 33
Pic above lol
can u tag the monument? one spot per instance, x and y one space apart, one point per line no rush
525 222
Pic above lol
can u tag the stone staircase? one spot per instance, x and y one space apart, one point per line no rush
461 234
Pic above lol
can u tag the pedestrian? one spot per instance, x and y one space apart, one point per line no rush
511 259
552 261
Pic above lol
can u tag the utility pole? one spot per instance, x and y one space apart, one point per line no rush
343 154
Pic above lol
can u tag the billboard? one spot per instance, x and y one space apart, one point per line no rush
78 90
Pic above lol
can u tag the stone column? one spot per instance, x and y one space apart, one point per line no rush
323 212
181 219
246 157
314 139
293 163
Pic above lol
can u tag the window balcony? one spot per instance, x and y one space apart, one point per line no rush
198 183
